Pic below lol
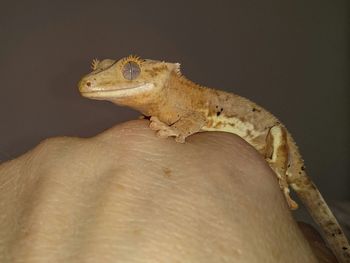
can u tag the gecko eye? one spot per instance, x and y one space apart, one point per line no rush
131 70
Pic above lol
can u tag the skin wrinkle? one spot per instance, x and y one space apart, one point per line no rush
39 221
118 222
61 197
157 185
26 224
100 208
175 205
120 205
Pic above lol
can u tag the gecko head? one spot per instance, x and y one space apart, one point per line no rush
127 79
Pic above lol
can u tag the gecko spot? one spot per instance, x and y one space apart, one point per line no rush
221 109
303 168
218 113
88 83
345 248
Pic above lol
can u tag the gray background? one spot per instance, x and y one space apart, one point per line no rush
289 56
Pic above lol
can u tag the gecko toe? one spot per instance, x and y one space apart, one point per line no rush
157 125
180 139
167 133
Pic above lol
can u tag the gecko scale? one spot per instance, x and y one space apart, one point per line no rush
178 107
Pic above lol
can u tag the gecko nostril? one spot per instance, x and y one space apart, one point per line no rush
88 83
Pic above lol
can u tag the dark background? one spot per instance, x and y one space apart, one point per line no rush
291 57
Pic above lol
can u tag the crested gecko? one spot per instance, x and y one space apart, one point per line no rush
178 108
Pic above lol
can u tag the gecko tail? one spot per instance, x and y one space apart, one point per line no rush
323 216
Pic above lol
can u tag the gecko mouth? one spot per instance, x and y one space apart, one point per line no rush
117 93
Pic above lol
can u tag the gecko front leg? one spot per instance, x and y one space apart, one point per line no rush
187 125
277 155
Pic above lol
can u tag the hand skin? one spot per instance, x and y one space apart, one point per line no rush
127 196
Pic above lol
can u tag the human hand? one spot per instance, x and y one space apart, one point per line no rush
127 196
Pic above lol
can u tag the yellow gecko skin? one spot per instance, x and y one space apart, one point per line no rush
178 107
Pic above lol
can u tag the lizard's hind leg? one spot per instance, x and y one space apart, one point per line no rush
277 155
